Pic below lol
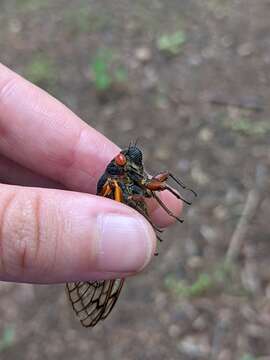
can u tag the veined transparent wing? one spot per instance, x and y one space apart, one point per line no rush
93 300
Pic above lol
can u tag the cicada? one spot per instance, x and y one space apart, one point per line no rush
125 180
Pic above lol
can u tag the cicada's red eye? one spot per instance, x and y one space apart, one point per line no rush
120 159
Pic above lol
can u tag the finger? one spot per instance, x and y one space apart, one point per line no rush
159 215
49 138
14 174
52 236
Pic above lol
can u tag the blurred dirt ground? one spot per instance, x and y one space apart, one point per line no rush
191 80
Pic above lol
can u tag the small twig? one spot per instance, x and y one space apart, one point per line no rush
247 103
219 333
251 205
236 242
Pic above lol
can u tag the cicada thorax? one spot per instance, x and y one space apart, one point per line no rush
121 176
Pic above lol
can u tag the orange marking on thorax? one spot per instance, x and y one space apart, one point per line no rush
118 194
106 190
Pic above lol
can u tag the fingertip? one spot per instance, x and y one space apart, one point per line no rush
126 242
159 215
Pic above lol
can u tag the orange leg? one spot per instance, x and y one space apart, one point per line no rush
106 190
118 194
162 177
155 184
166 175
111 186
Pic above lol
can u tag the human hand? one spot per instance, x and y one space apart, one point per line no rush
51 228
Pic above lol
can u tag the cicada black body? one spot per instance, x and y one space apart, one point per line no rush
126 181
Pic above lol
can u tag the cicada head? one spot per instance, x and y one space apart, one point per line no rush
134 154
128 160
134 159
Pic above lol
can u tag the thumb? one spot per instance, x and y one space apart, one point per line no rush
49 236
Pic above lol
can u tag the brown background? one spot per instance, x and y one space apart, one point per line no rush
203 113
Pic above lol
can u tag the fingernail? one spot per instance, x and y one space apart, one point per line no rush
125 243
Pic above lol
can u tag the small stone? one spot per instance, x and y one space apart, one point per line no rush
248 313
160 300
220 212
242 342
227 41
199 176
266 59
206 135
149 133
195 60
191 247
127 125
174 331
209 233
162 153
250 278
225 354
183 165
225 317
150 78
264 315
233 196
200 323
26 293
220 13
195 346
195 262
255 331
245 49
132 26
267 291
15 26
143 54
208 53
189 310
108 111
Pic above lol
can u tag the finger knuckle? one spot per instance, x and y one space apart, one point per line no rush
20 233
7 87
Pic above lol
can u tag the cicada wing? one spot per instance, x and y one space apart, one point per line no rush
93 300
114 294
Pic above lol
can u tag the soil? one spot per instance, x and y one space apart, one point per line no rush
201 111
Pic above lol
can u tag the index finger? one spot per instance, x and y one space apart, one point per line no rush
39 132
42 134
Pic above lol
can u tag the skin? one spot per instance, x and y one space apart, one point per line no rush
52 228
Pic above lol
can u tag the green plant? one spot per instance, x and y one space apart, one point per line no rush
7 339
41 71
84 20
171 43
100 71
247 357
248 127
220 277
198 288
219 5
104 71
31 5
120 74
